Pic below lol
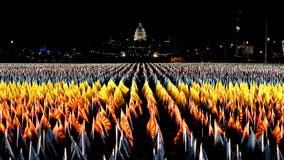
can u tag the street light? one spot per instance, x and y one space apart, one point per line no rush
266 40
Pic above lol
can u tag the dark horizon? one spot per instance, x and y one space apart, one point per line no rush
85 24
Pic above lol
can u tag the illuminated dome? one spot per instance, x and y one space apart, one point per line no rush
140 33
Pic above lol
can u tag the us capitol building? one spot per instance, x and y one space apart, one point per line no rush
140 46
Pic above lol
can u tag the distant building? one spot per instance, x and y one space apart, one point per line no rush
244 50
140 34
140 47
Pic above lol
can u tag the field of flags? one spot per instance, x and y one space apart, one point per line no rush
141 111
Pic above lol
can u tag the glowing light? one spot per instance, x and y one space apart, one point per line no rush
123 54
156 55
238 28
12 42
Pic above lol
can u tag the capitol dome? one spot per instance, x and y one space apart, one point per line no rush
140 33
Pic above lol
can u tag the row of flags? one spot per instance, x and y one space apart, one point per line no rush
66 119
207 100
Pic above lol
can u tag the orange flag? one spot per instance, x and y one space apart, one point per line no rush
277 133
126 128
261 127
102 117
152 126
180 134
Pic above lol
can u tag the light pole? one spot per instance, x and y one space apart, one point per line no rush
265 45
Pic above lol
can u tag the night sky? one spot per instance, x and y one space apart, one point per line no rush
85 23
